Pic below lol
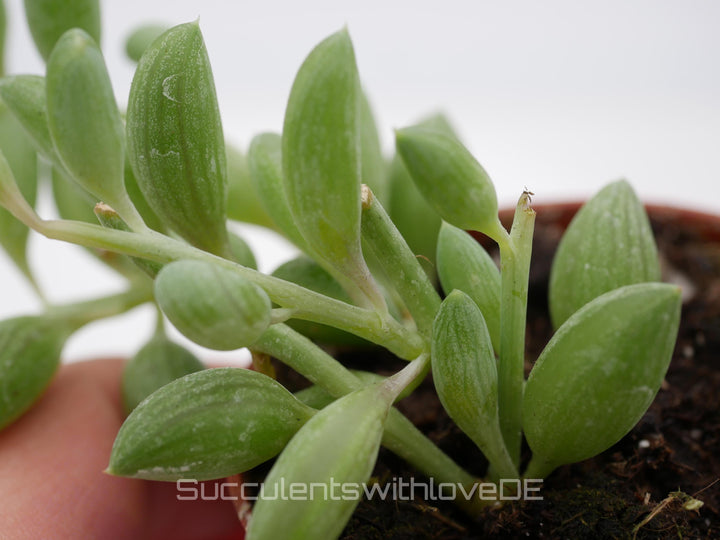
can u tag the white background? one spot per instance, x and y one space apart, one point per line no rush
558 96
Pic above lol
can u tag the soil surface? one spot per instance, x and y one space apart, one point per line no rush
639 488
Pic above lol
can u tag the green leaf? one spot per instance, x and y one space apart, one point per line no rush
72 201
175 140
321 155
450 179
417 221
240 251
213 306
156 364
415 218
339 445
83 118
600 372
3 33
465 376
374 173
29 357
25 96
265 164
463 264
209 424
11 196
608 244
50 19
22 160
243 202
309 274
141 38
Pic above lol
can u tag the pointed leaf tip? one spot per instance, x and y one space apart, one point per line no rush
608 244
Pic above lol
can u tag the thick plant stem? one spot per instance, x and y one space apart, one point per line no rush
515 268
401 436
399 263
82 313
308 305
299 353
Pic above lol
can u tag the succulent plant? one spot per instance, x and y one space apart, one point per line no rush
358 282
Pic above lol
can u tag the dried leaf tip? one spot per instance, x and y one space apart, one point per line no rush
103 208
525 201
366 197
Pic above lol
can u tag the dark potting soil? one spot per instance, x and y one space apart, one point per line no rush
642 486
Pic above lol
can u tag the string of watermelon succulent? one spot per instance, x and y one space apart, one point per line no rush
162 175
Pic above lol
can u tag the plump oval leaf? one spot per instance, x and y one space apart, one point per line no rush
212 306
157 363
29 357
22 160
339 445
50 19
209 424
600 372
321 154
175 140
463 264
450 178
465 375
83 118
607 245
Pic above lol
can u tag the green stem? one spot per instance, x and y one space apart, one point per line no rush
399 263
401 436
159 323
299 353
309 305
539 468
408 375
515 268
501 463
81 313
369 288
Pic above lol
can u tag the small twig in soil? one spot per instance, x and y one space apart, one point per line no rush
688 503
711 484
